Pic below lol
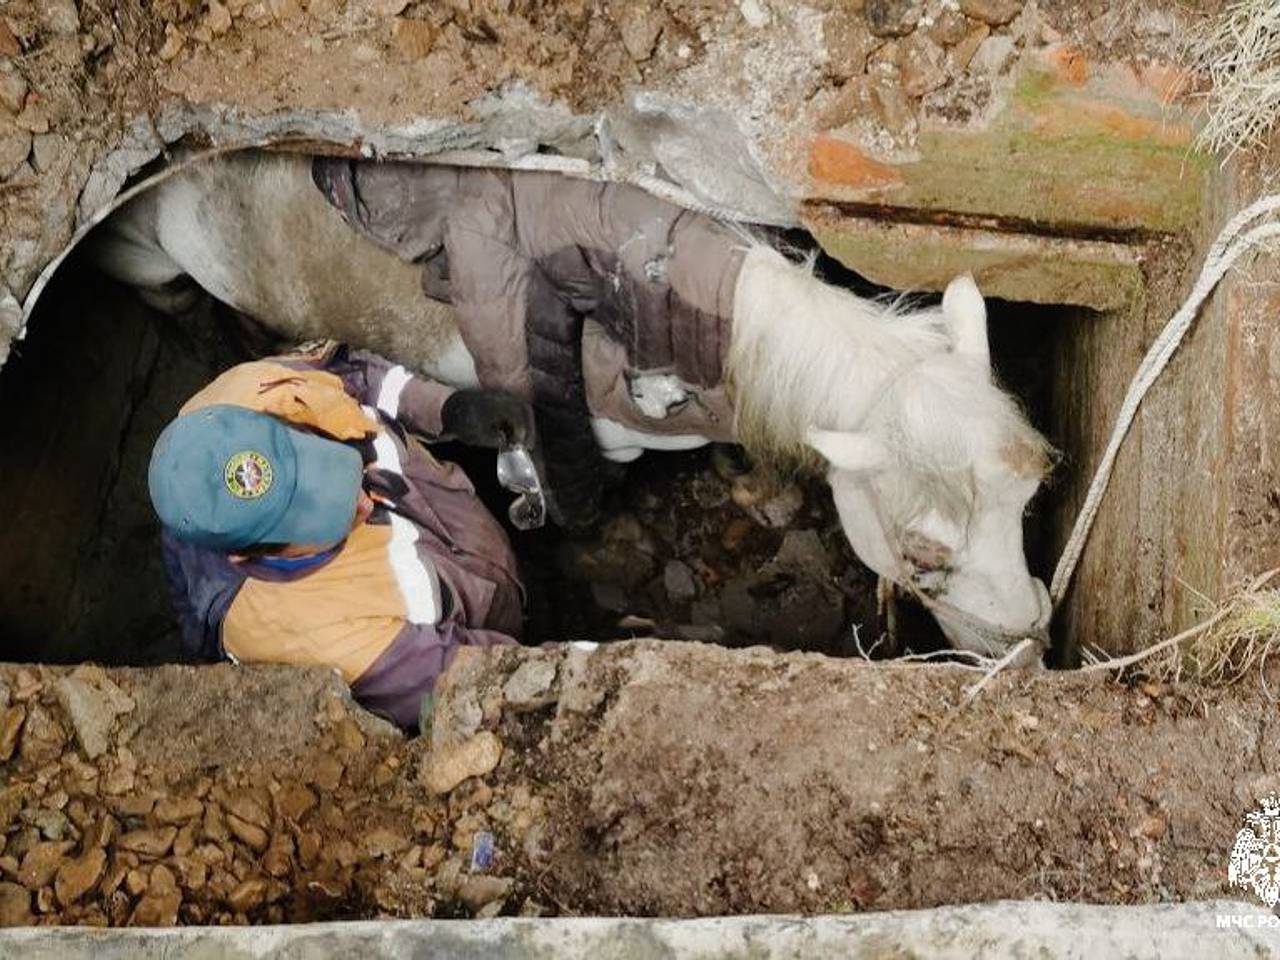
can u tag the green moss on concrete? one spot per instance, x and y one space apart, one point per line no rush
1089 180
1101 276
1033 87
1057 155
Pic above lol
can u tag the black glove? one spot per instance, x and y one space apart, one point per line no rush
488 418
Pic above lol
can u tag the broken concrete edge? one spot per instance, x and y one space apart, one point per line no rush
625 145
1222 929
1096 274
696 157
700 158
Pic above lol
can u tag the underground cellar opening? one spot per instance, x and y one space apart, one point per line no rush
695 545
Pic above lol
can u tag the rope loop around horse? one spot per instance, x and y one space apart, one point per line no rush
993 633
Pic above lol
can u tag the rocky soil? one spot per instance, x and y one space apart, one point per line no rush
221 795
638 778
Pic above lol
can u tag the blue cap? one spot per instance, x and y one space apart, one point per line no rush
229 478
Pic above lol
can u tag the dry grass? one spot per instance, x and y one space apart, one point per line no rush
1234 645
1239 52
1237 649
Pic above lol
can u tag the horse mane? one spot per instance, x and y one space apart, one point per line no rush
805 354
938 419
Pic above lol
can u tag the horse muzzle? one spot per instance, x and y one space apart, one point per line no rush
967 631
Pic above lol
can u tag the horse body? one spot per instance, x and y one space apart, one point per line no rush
254 232
930 464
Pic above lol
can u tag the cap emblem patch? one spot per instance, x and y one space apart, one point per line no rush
248 475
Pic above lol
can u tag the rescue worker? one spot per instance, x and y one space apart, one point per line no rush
305 524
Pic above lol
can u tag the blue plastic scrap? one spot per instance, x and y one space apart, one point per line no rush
482 851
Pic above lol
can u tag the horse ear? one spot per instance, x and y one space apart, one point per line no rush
856 452
966 314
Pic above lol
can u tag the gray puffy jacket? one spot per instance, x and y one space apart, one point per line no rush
564 289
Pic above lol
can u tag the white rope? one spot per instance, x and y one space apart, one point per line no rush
1014 653
1229 246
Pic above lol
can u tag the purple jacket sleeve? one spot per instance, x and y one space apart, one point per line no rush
394 685
202 585
413 400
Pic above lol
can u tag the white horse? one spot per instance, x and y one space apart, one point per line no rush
930 463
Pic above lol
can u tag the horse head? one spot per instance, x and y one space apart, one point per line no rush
932 486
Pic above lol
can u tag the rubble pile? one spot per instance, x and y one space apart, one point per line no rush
698 547
568 39
104 827
896 58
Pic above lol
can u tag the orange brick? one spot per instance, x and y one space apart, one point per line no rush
1070 65
838 161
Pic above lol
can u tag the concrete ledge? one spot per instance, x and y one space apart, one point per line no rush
1012 266
997 930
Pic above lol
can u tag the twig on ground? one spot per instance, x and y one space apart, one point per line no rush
979 661
865 654
1119 663
1229 609
338 33
996 667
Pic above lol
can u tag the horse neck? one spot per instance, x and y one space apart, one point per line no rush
807 354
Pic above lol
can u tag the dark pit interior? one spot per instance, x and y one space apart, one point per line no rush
695 546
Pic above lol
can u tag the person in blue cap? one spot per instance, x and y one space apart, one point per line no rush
304 523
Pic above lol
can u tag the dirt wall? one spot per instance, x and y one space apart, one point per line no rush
690 780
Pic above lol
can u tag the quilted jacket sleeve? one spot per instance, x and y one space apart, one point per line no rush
526 335
393 687
202 586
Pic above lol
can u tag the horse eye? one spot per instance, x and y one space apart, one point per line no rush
925 554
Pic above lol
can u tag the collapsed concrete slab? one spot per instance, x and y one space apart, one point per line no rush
1098 274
